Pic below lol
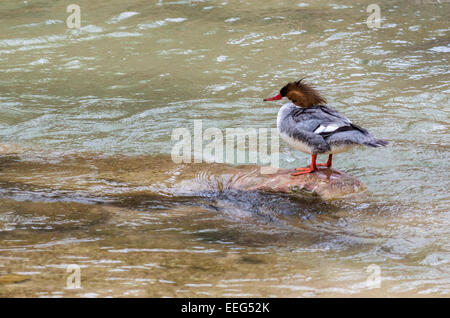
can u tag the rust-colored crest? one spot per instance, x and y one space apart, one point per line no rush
302 94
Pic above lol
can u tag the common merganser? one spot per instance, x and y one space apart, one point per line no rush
307 124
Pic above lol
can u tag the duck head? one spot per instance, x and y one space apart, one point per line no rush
300 94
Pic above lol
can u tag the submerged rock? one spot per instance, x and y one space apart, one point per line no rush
9 149
12 279
93 176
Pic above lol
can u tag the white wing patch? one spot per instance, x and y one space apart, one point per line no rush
326 129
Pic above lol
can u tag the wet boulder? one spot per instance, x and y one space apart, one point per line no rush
325 183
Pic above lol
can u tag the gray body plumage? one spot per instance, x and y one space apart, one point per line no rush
321 130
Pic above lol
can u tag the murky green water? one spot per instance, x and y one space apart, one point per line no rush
86 114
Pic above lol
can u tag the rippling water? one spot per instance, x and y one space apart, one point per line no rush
86 114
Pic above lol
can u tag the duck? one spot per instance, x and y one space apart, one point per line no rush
308 124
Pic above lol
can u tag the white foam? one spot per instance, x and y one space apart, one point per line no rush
441 49
122 16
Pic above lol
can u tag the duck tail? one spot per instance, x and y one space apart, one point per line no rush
376 143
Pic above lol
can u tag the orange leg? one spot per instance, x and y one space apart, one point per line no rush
311 168
329 162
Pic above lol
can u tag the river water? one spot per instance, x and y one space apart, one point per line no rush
85 137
